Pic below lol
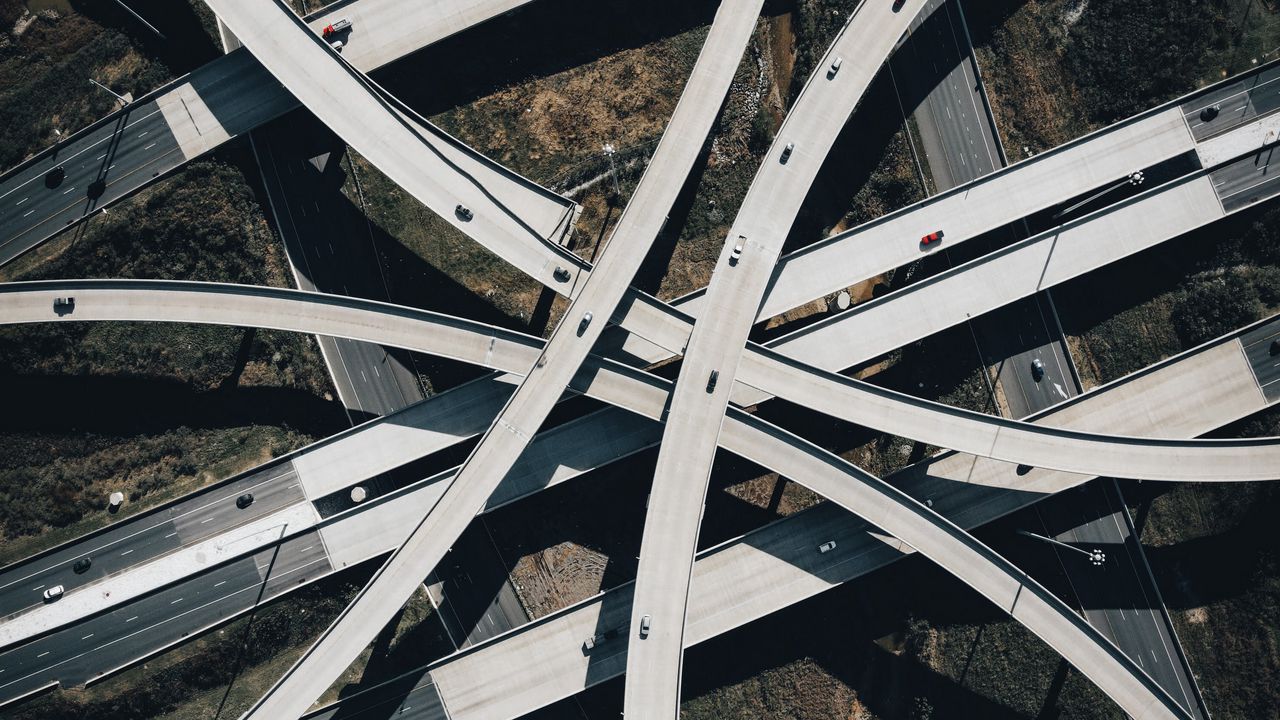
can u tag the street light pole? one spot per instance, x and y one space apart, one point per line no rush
1096 556
142 20
609 150
1134 178
117 96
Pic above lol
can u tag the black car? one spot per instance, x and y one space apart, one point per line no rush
82 565
1037 369
244 501
1209 113
711 381
54 177
464 213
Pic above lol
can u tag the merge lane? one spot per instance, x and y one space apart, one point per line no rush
99 645
133 542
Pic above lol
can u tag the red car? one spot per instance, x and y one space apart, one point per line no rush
931 238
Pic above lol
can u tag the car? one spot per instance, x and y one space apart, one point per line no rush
1037 369
82 565
835 67
933 237
897 4
585 321
1275 348
645 622
827 546
337 45
463 212
1209 113
560 274
64 305
54 177
786 153
711 381
244 501
54 593
736 254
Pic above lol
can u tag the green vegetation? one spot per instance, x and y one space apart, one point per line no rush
1213 549
907 642
217 675
152 410
1211 281
1056 69
45 63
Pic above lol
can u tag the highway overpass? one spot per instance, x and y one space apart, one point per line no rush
375 126
230 96
196 304
570 343
776 566
512 352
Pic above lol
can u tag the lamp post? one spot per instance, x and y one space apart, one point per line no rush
1097 558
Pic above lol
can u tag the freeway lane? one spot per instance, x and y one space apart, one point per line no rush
330 249
1238 102
1264 357
1120 597
561 357
1247 181
959 142
739 282
93 648
234 94
126 152
135 541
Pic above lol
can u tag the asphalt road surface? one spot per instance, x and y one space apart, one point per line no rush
1247 180
1265 362
1119 597
101 166
478 600
1017 335
397 699
135 541
329 245
106 642
936 62
1237 103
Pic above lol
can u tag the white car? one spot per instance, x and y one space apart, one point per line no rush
827 546
644 626
54 593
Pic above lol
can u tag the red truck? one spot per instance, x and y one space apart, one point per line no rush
336 27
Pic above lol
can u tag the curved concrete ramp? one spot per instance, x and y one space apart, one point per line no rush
476 343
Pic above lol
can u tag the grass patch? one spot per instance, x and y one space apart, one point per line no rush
44 62
1056 69
1214 553
1122 317
154 410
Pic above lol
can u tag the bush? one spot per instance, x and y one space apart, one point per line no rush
1127 55
1211 306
